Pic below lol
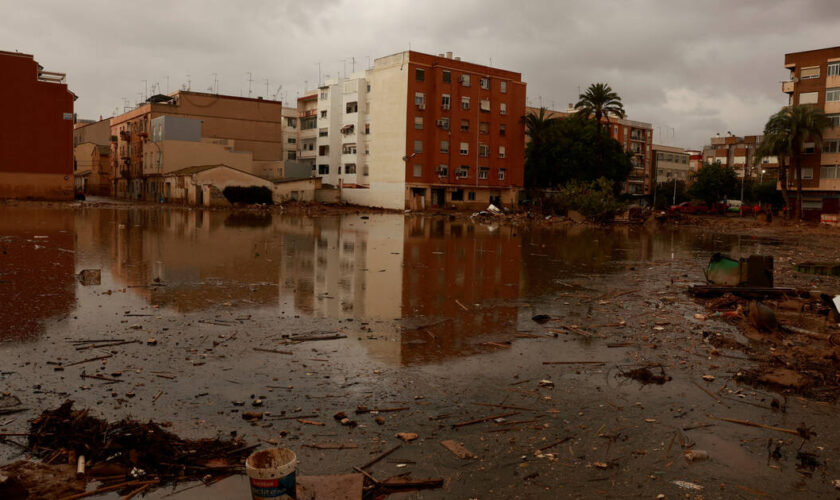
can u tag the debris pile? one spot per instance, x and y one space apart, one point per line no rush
122 455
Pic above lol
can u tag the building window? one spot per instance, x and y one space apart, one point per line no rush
418 170
418 122
447 76
291 155
443 170
483 150
465 80
463 172
324 95
465 125
445 101
503 108
828 172
810 73
484 83
420 75
323 150
503 87
368 90
483 172
323 169
471 196
483 127
458 194
811 204
465 103
501 151
352 107
465 148
291 122
444 146
808 148
502 173
811 97
807 173
348 149
367 128
831 95
418 146
324 113
308 123
833 69
292 140
443 123
502 129
349 168
365 170
484 105
831 146
420 100
323 132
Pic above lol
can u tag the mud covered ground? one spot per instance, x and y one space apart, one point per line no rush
435 323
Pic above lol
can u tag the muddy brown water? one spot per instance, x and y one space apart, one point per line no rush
437 318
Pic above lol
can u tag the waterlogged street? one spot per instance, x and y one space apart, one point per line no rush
416 324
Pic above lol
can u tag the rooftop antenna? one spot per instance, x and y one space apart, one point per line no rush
250 83
167 84
146 91
319 73
216 83
353 59
266 89
189 82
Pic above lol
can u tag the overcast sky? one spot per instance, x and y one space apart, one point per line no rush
692 68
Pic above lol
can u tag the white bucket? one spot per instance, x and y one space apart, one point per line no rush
271 473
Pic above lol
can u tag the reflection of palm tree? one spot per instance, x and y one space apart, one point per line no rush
787 132
774 144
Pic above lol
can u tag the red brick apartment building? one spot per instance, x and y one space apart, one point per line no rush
445 132
36 134
815 80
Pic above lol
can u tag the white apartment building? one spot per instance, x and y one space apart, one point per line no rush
343 130
308 129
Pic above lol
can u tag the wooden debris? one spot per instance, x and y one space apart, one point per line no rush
484 419
380 457
457 449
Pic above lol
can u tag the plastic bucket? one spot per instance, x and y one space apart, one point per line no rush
271 473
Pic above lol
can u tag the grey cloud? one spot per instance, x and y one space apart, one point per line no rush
697 67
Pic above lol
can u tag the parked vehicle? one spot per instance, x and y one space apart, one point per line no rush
698 207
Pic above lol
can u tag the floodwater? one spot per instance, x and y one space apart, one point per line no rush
435 314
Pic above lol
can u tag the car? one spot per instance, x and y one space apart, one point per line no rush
690 207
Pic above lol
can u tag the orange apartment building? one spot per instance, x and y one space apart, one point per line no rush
36 135
443 133
465 140
635 137
815 80
242 124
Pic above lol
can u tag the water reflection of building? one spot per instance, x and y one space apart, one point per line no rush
449 266
36 269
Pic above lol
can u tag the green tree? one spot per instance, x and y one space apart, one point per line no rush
774 143
792 127
665 194
713 182
599 101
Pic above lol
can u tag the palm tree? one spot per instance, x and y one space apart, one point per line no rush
600 101
537 125
538 128
792 127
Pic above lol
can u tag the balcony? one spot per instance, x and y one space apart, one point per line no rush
787 87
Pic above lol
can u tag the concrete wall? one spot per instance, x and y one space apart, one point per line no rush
298 190
176 155
388 115
96 133
297 170
218 177
175 128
